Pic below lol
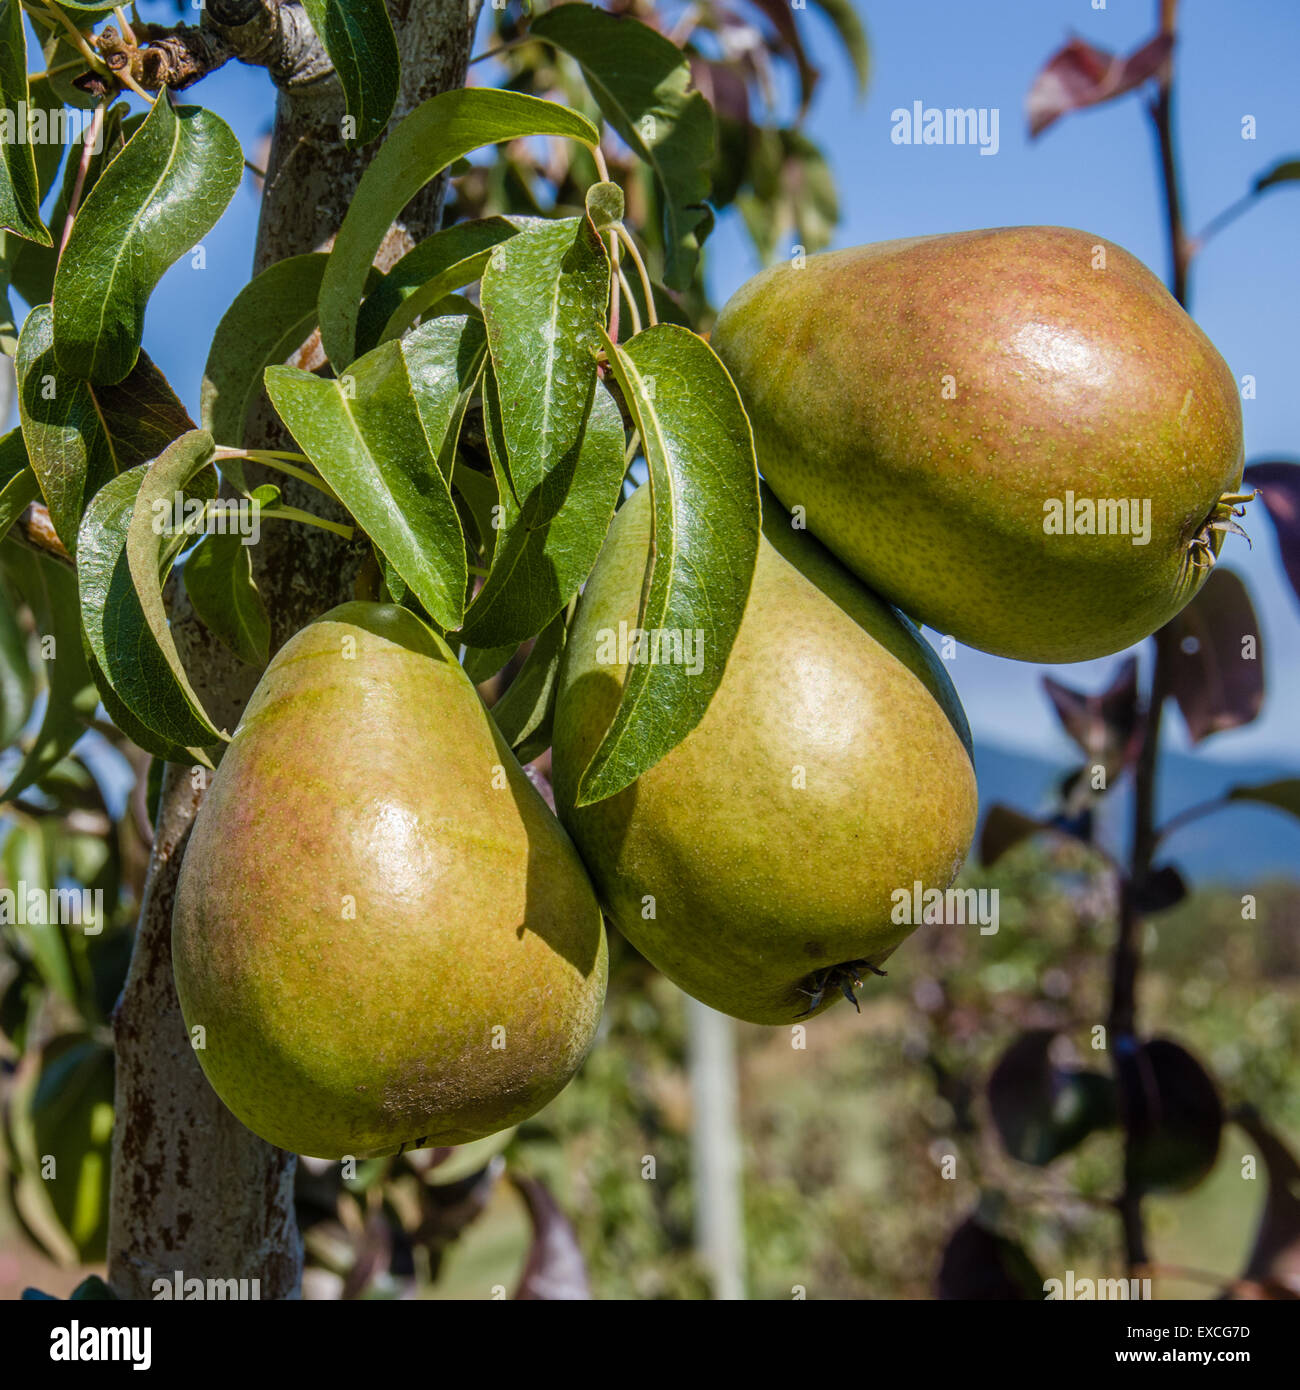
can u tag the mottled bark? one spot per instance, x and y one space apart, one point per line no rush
192 1189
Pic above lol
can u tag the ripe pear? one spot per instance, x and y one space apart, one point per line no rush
756 864
963 416
385 935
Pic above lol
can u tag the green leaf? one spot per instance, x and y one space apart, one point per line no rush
383 437
50 590
445 261
358 36
704 482
482 663
641 81
18 485
853 36
161 195
26 861
171 475
605 205
32 267
478 494
538 566
219 581
524 714
134 679
1284 794
1285 171
17 681
419 148
270 318
545 296
79 435
20 189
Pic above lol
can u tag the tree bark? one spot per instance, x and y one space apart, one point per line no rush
192 1189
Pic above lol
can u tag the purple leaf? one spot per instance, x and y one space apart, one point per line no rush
1211 651
555 1270
1279 486
1080 75
1107 727
978 1264
1004 828
1274 1263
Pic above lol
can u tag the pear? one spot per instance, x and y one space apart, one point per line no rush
383 933
1015 435
760 864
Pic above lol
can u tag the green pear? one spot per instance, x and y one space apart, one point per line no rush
1015 435
760 864
385 936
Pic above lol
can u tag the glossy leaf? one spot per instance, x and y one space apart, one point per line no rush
163 193
20 190
443 262
420 147
358 36
384 437
80 435
50 590
182 469
270 318
545 296
641 82
1212 653
537 566
525 713
1279 489
135 681
697 443
219 582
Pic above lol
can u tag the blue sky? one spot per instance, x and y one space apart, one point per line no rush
1095 170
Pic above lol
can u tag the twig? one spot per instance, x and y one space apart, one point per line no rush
626 238
631 303
87 150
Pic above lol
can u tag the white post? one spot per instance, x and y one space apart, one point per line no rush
715 1150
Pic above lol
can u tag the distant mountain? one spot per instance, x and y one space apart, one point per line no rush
1239 844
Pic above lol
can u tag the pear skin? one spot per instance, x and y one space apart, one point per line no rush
386 937
756 864
950 410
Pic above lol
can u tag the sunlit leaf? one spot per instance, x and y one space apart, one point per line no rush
164 192
419 148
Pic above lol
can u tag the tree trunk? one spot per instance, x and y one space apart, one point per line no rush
192 1189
